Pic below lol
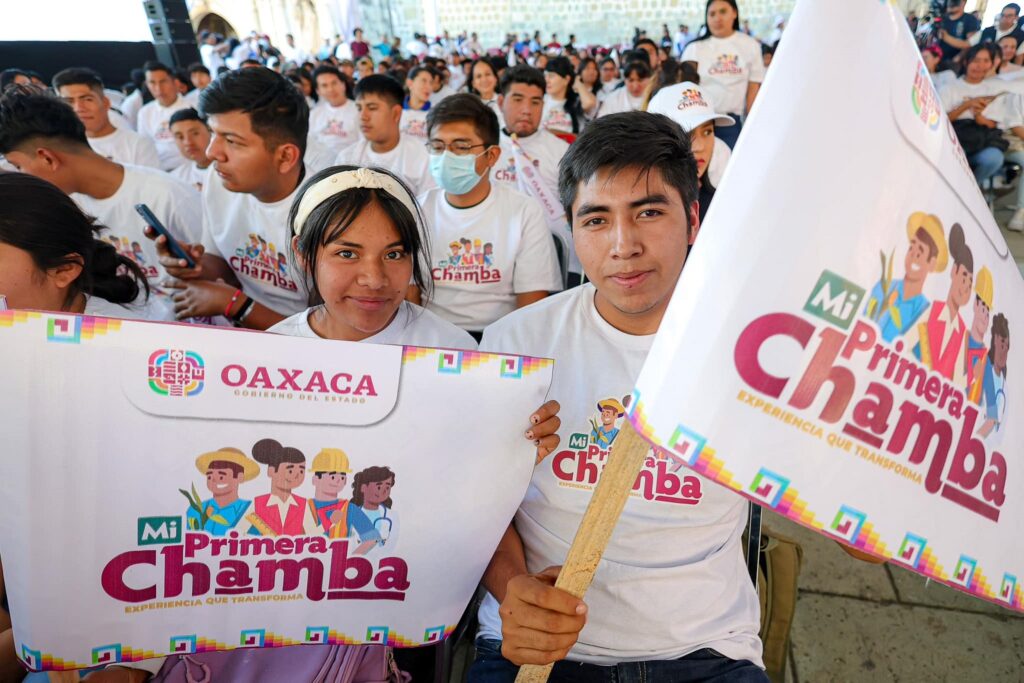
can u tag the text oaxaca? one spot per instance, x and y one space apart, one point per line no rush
897 371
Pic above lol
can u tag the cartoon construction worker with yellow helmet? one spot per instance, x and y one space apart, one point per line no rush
326 514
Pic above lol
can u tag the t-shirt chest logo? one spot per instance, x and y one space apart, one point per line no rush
163 133
260 260
558 120
133 250
726 64
662 479
335 127
417 127
468 261
507 173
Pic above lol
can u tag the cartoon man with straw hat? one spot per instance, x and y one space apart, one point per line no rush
604 434
896 306
226 469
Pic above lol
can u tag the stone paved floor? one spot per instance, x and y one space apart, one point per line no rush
861 622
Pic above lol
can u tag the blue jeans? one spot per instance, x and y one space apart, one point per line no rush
985 163
706 666
729 134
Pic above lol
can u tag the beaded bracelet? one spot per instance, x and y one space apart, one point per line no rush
231 304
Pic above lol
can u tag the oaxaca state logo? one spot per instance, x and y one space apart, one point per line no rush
175 372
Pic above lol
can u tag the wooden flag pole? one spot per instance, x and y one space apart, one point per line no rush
613 488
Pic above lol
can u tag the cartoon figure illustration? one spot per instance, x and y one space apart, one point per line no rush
264 253
896 306
994 383
976 350
604 434
467 246
325 513
279 513
226 469
371 493
940 342
137 254
488 254
252 250
455 257
282 264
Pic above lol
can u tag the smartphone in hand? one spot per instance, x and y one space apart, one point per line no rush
172 244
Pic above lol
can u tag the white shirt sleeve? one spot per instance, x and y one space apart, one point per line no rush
757 70
209 244
186 215
536 266
950 96
689 53
145 154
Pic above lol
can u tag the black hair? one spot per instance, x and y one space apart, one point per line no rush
645 41
490 65
153 65
636 56
584 63
385 87
278 111
186 114
611 142
563 67
1000 328
7 77
250 62
333 71
420 68
641 69
469 108
523 73
371 475
973 51
27 112
78 76
958 249
197 66
45 222
329 220
705 31
607 60
1014 6
272 454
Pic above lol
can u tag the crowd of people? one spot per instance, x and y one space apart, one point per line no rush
534 198
979 76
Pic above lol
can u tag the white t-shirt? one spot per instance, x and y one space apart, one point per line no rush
555 117
414 123
607 89
157 307
119 120
335 127
174 204
493 105
212 59
719 160
408 160
484 255
127 147
444 92
673 579
545 150
155 123
620 101
130 107
941 79
193 176
411 326
255 240
726 66
955 92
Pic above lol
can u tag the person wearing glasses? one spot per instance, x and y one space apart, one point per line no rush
505 257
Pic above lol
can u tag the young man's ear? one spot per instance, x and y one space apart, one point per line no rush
300 260
288 157
694 221
49 157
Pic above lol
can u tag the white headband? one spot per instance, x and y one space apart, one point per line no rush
346 180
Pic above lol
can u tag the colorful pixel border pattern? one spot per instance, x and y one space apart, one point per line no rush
193 643
1008 592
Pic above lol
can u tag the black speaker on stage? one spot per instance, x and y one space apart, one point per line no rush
174 39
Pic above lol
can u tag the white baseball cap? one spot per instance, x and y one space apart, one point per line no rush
686 104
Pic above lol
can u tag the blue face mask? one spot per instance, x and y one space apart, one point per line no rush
455 174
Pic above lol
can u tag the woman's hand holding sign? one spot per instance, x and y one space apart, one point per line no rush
539 623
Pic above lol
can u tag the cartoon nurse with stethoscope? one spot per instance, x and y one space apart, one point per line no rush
371 492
